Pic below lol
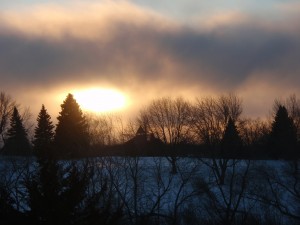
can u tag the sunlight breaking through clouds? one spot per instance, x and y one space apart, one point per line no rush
137 48
100 100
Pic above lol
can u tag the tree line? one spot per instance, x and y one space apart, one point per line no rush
211 126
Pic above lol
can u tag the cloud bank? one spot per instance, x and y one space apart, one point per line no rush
139 51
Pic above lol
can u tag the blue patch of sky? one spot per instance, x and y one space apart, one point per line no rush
189 9
20 4
182 10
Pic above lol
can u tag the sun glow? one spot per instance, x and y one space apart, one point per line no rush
100 100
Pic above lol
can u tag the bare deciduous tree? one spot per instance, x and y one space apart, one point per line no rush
253 131
210 117
230 203
106 129
168 120
6 107
209 120
284 189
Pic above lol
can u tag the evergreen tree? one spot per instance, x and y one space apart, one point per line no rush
283 137
44 134
71 136
56 192
17 142
231 141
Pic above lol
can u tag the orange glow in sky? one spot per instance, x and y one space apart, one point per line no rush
100 100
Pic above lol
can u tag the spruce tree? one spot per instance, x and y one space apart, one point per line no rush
44 134
283 137
231 141
17 142
56 190
71 136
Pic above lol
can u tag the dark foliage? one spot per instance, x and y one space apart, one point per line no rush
101 209
6 108
17 142
56 193
283 137
43 136
231 142
7 211
58 190
71 136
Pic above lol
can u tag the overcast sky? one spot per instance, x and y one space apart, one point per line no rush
149 49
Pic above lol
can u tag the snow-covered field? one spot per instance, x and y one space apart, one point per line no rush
202 189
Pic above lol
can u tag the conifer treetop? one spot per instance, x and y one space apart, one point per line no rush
44 134
71 135
17 142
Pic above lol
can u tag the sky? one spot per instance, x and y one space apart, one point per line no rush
149 49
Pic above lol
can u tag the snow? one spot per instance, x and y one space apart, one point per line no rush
145 185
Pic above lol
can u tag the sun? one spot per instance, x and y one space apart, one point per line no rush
100 100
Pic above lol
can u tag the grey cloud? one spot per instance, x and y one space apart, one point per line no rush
224 57
233 59
30 60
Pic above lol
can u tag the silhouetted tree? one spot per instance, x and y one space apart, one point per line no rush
254 132
209 120
17 142
210 117
292 104
283 137
168 120
105 130
8 213
282 185
71 136
6 108
56 192
231 141
44 134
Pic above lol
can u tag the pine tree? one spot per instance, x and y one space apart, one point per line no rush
17 142
44 134
231 141
71 136
56 190
283 137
